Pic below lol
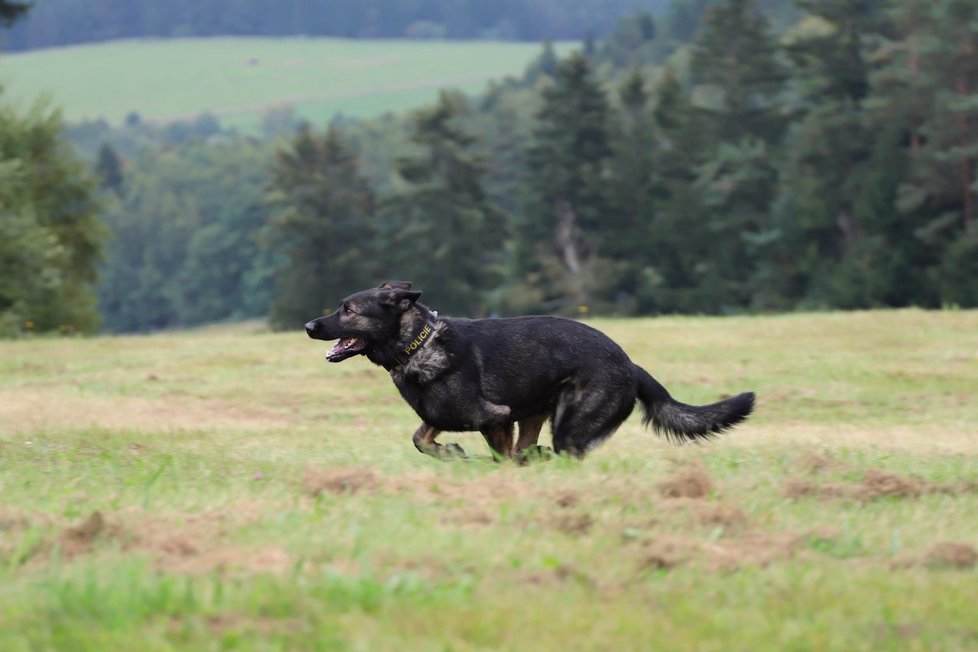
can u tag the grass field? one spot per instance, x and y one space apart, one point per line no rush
226 488
240 79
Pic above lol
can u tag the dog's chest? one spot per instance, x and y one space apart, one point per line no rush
426 363
423 367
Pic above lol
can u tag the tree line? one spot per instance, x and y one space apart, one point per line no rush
831 165
61 22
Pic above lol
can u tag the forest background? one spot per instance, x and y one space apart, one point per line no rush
692 156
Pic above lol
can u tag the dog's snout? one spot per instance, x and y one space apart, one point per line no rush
312 327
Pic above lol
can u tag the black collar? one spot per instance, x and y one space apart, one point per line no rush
423 336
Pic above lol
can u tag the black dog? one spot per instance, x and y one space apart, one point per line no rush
489 374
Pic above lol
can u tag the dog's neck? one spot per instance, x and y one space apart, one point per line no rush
419 326
422 335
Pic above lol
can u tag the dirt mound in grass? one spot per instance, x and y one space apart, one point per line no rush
339 481
951 555
77 539
751 549
812 463
665 552
706 513
692 482
566 498
480 490
879 484
806 489
874 485
12 520
720 515
183 543
199 543
224 559
574 524
468 516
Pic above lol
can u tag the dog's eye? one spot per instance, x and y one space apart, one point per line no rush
347 310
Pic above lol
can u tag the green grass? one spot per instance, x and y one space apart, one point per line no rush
254 497
240 79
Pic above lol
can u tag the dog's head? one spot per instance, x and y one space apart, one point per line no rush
364 320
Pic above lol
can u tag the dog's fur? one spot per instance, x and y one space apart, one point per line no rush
490 374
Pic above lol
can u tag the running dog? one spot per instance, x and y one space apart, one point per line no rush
487 375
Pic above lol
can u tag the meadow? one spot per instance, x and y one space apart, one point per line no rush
226 488
241 79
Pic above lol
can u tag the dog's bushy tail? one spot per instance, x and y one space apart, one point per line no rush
681 423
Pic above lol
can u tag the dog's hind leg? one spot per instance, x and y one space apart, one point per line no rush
586 416
530 431
526 446
424 441
500 440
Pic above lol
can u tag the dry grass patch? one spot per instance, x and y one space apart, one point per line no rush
719 515
467 516
813 463
11 520
874 485
573 524
947 554
346 481
750 549
55 409
180 543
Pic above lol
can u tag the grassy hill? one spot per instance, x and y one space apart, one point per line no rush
228 488
239 79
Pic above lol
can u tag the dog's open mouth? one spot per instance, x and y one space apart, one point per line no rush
345 348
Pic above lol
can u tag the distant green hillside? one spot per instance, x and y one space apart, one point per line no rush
52 23
240 79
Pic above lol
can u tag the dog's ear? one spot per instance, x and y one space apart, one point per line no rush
403 298
395 285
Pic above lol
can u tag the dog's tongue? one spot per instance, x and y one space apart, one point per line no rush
336 349
342 346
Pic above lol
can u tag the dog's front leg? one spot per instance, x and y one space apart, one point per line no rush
424 441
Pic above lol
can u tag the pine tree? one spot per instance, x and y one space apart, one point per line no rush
567 163
929 88
678 276
684 18
323 224
827 153
11 12
949 62
632 42
735 61
108 169
544 65
448 237
631 188
736 68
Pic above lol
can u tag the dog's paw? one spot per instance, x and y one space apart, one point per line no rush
535 454
451 451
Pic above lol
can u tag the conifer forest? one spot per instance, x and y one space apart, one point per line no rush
696 156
